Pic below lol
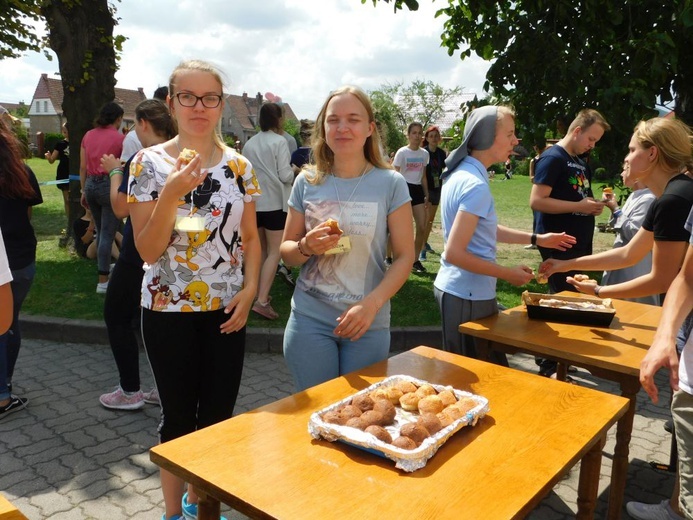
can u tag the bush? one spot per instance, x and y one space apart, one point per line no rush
521 167
49 141
600 174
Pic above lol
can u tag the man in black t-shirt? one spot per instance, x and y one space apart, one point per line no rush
563 200
562 192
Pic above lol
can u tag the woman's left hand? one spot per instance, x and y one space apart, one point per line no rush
356 320
560 241
238 308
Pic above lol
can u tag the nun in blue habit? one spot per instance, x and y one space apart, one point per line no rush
465 286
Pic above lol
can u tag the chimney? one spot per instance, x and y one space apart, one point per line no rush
245 97
44 76
258 98
141 91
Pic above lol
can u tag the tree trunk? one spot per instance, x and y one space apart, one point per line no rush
81 35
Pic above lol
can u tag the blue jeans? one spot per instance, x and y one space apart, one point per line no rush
314 354
12 339
97 190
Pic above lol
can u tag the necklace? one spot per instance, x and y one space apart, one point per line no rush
341 207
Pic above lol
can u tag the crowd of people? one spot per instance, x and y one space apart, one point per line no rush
206 227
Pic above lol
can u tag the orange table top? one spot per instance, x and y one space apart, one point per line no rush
617 348
8 511
265 464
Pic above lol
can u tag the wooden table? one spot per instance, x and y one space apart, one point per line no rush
613 353
8 511
265 464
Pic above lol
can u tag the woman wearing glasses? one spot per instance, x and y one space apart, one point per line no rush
194 226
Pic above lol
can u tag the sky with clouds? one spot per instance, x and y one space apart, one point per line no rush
297 49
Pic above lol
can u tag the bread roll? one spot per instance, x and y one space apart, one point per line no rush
414 431
334 226
425 390
430 404
409 402
357 422
406 386
379 393
393 394
350 411
404 443
380 433
430 422
387 409
372 417
363 401
447 398
186 155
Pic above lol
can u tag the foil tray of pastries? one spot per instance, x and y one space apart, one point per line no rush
401 418
583 310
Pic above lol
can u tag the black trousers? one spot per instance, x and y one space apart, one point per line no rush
197 369
121 312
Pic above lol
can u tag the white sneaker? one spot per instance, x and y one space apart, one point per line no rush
660 511
101 288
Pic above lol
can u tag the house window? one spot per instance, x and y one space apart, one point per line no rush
38 107
230 121
45 106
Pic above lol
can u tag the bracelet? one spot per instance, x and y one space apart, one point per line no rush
114 171
300 250
533 240
597 289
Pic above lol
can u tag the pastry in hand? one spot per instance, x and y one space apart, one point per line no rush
334 226
186 155
581 277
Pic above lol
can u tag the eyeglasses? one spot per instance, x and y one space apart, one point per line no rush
189 100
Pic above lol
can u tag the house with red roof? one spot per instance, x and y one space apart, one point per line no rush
239 120
240 117
46 110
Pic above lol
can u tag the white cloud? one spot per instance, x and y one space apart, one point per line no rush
298 49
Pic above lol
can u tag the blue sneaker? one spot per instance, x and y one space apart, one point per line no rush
428 248
174 517
422 256
190 510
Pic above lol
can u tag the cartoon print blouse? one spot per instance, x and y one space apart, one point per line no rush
201 270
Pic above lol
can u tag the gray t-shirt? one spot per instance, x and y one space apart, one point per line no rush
329 284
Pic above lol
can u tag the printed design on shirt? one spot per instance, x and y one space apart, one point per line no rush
413 165
340 277
200 270
578 179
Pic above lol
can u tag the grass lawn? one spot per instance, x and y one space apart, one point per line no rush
65 284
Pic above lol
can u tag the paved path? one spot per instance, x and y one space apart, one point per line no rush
67 458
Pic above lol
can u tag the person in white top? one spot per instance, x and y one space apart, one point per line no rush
131 145
269 154
411 161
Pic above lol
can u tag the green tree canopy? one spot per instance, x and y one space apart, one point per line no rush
80 32
397 105
554 58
